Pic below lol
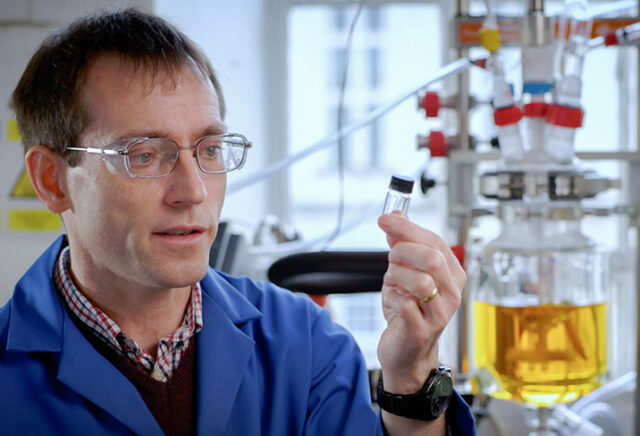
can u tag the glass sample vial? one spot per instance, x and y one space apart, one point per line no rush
398 195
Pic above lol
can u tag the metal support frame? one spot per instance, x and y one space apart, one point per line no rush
634 179
459 194
536 6
462 163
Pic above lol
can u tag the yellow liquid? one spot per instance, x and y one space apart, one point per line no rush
541 354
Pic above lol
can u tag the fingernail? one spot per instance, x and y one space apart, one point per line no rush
403 292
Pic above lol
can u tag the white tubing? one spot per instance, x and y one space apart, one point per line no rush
615 387
285 248
603 413
572 423
292 247
610 8
455 67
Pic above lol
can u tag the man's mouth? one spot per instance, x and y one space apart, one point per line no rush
181 231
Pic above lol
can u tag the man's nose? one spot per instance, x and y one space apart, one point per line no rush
187 184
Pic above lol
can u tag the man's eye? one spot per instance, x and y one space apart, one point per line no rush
142 158
210 152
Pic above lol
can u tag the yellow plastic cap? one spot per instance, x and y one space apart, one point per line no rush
490 39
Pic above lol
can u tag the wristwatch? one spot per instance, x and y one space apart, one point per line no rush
427 404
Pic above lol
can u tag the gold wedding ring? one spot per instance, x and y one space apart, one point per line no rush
433 295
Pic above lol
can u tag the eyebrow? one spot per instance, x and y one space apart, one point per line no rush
214 129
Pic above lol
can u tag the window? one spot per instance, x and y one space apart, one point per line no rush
375 142
339 18
336 66
373 67
347 142
373 18
378 73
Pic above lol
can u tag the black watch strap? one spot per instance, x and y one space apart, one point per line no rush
427 404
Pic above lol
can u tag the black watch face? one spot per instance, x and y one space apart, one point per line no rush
441 394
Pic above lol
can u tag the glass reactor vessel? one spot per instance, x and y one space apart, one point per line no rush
540 308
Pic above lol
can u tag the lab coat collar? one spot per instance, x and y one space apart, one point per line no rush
91 375
227 298
38 322
225 352
36 314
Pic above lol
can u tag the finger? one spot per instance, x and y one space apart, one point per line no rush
427 259
398 228
391 241
412 282
418 319
420 285
399 305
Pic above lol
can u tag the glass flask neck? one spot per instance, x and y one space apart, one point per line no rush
541 226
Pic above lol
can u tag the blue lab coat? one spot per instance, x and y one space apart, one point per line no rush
269 362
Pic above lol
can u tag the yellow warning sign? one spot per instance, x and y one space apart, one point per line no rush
23 187
13 134
36 220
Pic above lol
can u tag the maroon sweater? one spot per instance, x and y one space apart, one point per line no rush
172 403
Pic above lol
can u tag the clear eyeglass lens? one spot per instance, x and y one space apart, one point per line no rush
152 158
211 154
157 158
218 155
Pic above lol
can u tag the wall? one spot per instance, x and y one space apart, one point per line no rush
230 34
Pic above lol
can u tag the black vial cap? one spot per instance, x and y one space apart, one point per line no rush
402 184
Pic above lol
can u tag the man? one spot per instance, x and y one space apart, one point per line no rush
121 328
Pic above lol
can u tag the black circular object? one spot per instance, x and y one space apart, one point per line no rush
331 272
402 184
426 183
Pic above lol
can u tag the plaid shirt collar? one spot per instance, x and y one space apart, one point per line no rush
170 348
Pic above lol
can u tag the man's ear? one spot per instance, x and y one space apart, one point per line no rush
47 171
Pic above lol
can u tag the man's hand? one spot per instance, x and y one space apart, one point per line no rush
419 262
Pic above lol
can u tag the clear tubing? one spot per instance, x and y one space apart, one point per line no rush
603 412
570 50
559 140
510 139
571 423
632 33
454 67
285 248
558 143
509 136
624 383
612 8
292 247
628 34
596 42
534 130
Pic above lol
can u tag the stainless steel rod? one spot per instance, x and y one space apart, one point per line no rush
634 178
635 221
536 6
454 67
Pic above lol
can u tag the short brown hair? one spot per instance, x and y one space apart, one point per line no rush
47 97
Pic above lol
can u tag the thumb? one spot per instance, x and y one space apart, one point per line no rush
384 224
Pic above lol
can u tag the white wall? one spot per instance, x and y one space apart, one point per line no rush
230 33
23 24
